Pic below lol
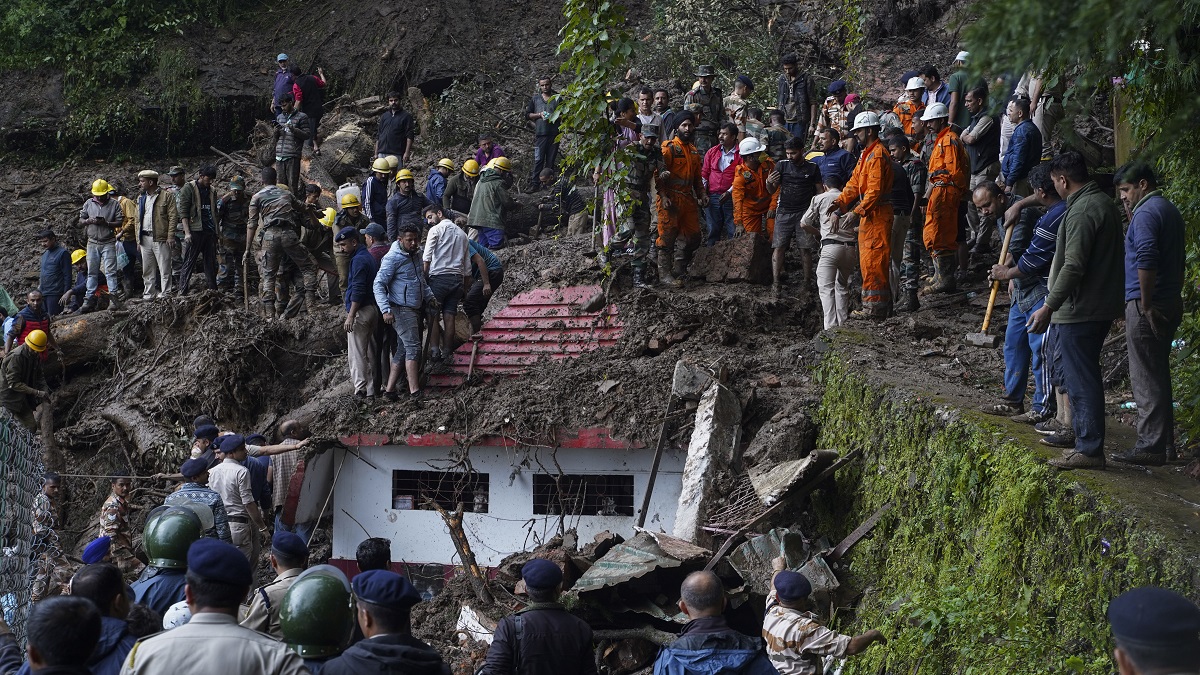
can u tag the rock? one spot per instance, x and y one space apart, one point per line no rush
769 381
923 330
689 381
745 258
788 436
655 346
676 338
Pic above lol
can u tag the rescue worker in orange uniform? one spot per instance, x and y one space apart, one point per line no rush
949 170
753 200
871 187
681 195
910 106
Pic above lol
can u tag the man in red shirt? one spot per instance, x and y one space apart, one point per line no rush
717 171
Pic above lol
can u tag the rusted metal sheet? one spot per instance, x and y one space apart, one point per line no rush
858 533
544 323
753 559
634 559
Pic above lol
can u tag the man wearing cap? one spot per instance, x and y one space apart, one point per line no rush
435 182
795 97
195 490
375 192
289 557
282 85
447 266
707 643
1156 630
834 113
538 111
211 642
233 212
543 637
101 216
795 641
681 194
959 84
948 180
231 480
736 103
114 523
157 219
910 105
201 221
54 277
396 132
754 199
362 316
202 438
704 102
871 187
22 382
351 216
384 601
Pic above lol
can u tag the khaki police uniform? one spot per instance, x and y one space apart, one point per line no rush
212 643
263 613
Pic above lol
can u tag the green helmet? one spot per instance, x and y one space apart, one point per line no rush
316 615
168 535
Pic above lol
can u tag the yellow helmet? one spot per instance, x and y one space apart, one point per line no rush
500 164
101 187
77 255
37 340
471 168
404 174
446 163
381 165
330 214
349 201
393 162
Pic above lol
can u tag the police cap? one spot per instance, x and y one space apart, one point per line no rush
791 586
214 560
289 545
193 467
345 233
1150 617
541 573
385 589
208 431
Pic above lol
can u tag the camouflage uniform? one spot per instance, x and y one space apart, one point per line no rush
114 523
273 215
635 215
231 242
709 108
51 571
910 266
775 138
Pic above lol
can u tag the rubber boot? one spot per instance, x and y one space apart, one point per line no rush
268 310
947 263
909 303
114 301
89 305
639 278
664 268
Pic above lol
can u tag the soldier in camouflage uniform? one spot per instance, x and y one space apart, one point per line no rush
635 216
114 524
777 136
51 571
910 266
234 210
278 212
707 104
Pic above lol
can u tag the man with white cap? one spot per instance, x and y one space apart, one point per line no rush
910 105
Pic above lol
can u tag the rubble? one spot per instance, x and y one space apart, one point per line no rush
745 258
715 439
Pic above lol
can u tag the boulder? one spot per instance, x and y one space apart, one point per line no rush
746 258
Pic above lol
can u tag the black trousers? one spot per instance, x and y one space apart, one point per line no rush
204 243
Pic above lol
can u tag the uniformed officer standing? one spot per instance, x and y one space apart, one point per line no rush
706 103
1156 631
114 523
278 212
384 601
196 491
166 539
289 556
635 223
219 577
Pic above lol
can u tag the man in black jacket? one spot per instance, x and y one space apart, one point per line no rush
543 638
384 600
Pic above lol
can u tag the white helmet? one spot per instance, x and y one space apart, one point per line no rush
915 83
935 110
750 146
864 120
177 615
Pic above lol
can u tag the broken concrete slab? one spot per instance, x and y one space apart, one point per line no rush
822 578
772 482
752 560
472 624
715 439
745 258
788 435
689 381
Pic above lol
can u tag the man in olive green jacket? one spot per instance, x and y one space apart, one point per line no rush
1086 295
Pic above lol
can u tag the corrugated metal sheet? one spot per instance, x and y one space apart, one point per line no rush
538 324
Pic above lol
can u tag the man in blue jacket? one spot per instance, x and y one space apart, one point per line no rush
361 313
707 644
401 293
55 277
1024 151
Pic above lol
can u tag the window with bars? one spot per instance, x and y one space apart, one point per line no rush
583 495
414 490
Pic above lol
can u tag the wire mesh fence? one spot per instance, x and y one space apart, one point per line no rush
22 552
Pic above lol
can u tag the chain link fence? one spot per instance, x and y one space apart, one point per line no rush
20 483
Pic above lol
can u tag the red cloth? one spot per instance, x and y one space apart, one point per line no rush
719 181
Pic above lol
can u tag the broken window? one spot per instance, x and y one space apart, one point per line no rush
414 490
583 495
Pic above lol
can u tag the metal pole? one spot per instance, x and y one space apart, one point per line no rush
658 451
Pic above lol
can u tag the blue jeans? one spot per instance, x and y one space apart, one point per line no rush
1077 351
798 129
101 259
302 530
720 218
1021 350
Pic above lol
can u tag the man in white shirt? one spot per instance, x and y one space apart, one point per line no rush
645 113
839 253
448 268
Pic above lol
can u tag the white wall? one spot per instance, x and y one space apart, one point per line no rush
509 526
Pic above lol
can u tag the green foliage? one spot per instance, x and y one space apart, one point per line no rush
1146 49
596 48
987 562
103 48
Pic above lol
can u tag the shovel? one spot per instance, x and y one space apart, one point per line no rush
982 339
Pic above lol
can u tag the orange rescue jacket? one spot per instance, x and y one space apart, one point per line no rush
751 197
872 180
948 165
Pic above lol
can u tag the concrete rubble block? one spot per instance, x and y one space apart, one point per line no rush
715 438
790 434
689 381
746 258
752 560
819 574
772 481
